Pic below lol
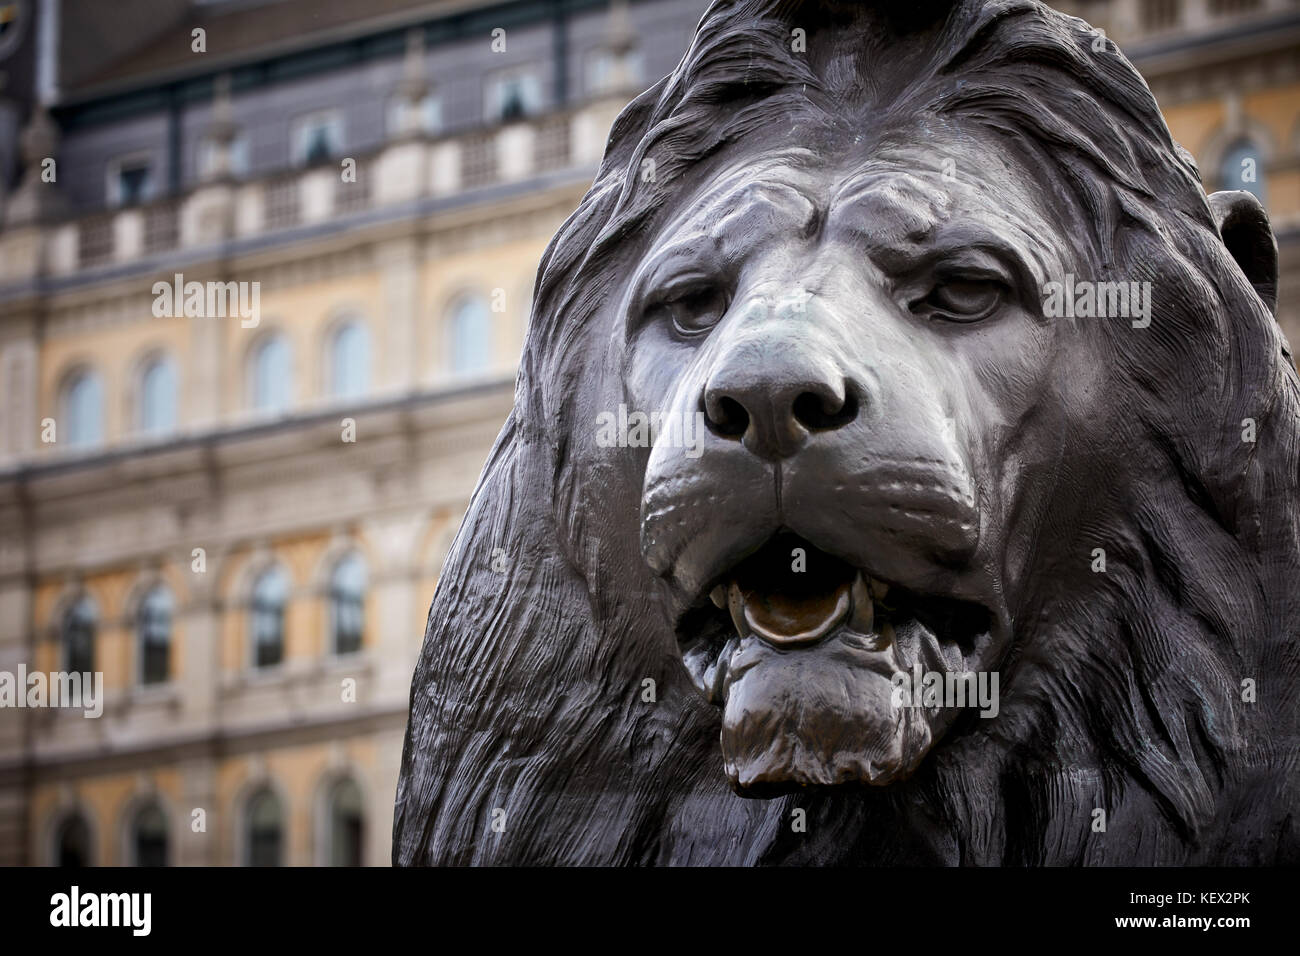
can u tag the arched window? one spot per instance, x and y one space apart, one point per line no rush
210 158
470 328
317 137
271 375
513 94
349 360
405 116
264 826
154 631
149 837
83 409
72 842
1242 167
78 636
346 824
347 604
157 413
266 617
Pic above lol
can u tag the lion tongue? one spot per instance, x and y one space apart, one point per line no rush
789 620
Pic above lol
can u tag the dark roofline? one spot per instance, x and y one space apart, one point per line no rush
414 210
368 40
1268 28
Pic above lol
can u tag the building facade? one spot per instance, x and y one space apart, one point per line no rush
265 271
1226 74
238 516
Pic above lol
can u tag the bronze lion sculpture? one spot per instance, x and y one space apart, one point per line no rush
904 469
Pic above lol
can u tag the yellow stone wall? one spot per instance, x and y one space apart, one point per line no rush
117 352
306 559
306 312
510 267
1201 127
299 775
105 802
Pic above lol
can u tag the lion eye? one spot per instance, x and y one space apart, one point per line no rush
963 300
695 311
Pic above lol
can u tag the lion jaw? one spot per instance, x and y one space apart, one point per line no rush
804 660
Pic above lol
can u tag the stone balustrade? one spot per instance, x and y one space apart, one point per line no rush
404 170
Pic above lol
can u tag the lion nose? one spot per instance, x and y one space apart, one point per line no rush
772 404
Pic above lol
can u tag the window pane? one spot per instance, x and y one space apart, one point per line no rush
350 361
265 839
83 410
428 114
513 95
346 825
133 184
79 637
155 636
237 148
272 386
347 604
158 397
431 113
149 837
72 845
605 72
1243 168
317 138
266 623
318 144
471 336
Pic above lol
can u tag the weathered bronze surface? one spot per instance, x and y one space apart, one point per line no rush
983 385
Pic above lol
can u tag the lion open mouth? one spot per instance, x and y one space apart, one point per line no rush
791 595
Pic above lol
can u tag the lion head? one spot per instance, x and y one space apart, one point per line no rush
901 437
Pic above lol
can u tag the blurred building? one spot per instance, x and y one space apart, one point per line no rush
1226 74
389 173
241 525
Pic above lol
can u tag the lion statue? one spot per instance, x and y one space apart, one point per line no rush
905 468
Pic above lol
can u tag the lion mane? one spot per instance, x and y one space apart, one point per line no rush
551 720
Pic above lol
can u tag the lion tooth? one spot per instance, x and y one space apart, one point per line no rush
736 605
719 596
930 652
717 676
952 657
879 589
864 614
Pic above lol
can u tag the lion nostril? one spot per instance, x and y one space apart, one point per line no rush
725 416
825 411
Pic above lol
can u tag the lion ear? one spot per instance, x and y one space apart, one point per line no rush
1245 230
